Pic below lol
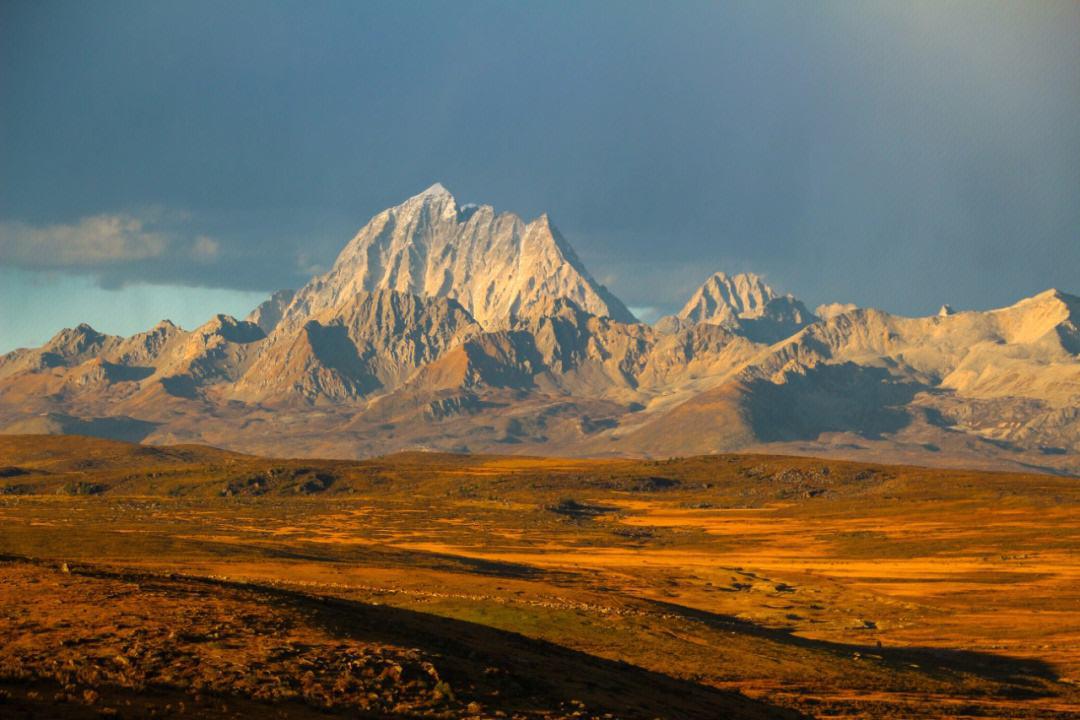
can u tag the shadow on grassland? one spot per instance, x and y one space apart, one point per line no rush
531 675
1022 677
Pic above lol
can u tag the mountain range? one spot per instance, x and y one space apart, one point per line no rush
452 327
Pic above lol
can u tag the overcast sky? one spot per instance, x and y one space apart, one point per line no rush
182 158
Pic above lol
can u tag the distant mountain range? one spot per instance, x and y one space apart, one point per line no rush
450 327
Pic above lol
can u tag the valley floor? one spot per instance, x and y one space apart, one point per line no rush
734 586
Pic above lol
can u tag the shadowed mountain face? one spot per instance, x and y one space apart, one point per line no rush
456 328
829 398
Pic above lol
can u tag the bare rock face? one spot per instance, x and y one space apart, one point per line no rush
69 347
724 299
268 314
373 342
217 350
494 265
744 303
143 349
573 343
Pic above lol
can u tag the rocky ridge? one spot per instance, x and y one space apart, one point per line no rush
453 327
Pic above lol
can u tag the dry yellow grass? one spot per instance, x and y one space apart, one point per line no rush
829 588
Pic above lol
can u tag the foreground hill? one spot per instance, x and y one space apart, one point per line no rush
454 328
79 465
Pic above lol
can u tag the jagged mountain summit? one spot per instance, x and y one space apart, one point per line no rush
744 303
450 327
723 299
495 265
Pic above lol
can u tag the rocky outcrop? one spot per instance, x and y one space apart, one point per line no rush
372 343
269 313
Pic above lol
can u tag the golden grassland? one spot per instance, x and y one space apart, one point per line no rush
720 586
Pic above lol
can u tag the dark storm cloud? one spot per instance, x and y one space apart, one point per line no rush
893 154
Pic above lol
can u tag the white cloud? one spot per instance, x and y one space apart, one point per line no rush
205 249
307 266
646 314
92 242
